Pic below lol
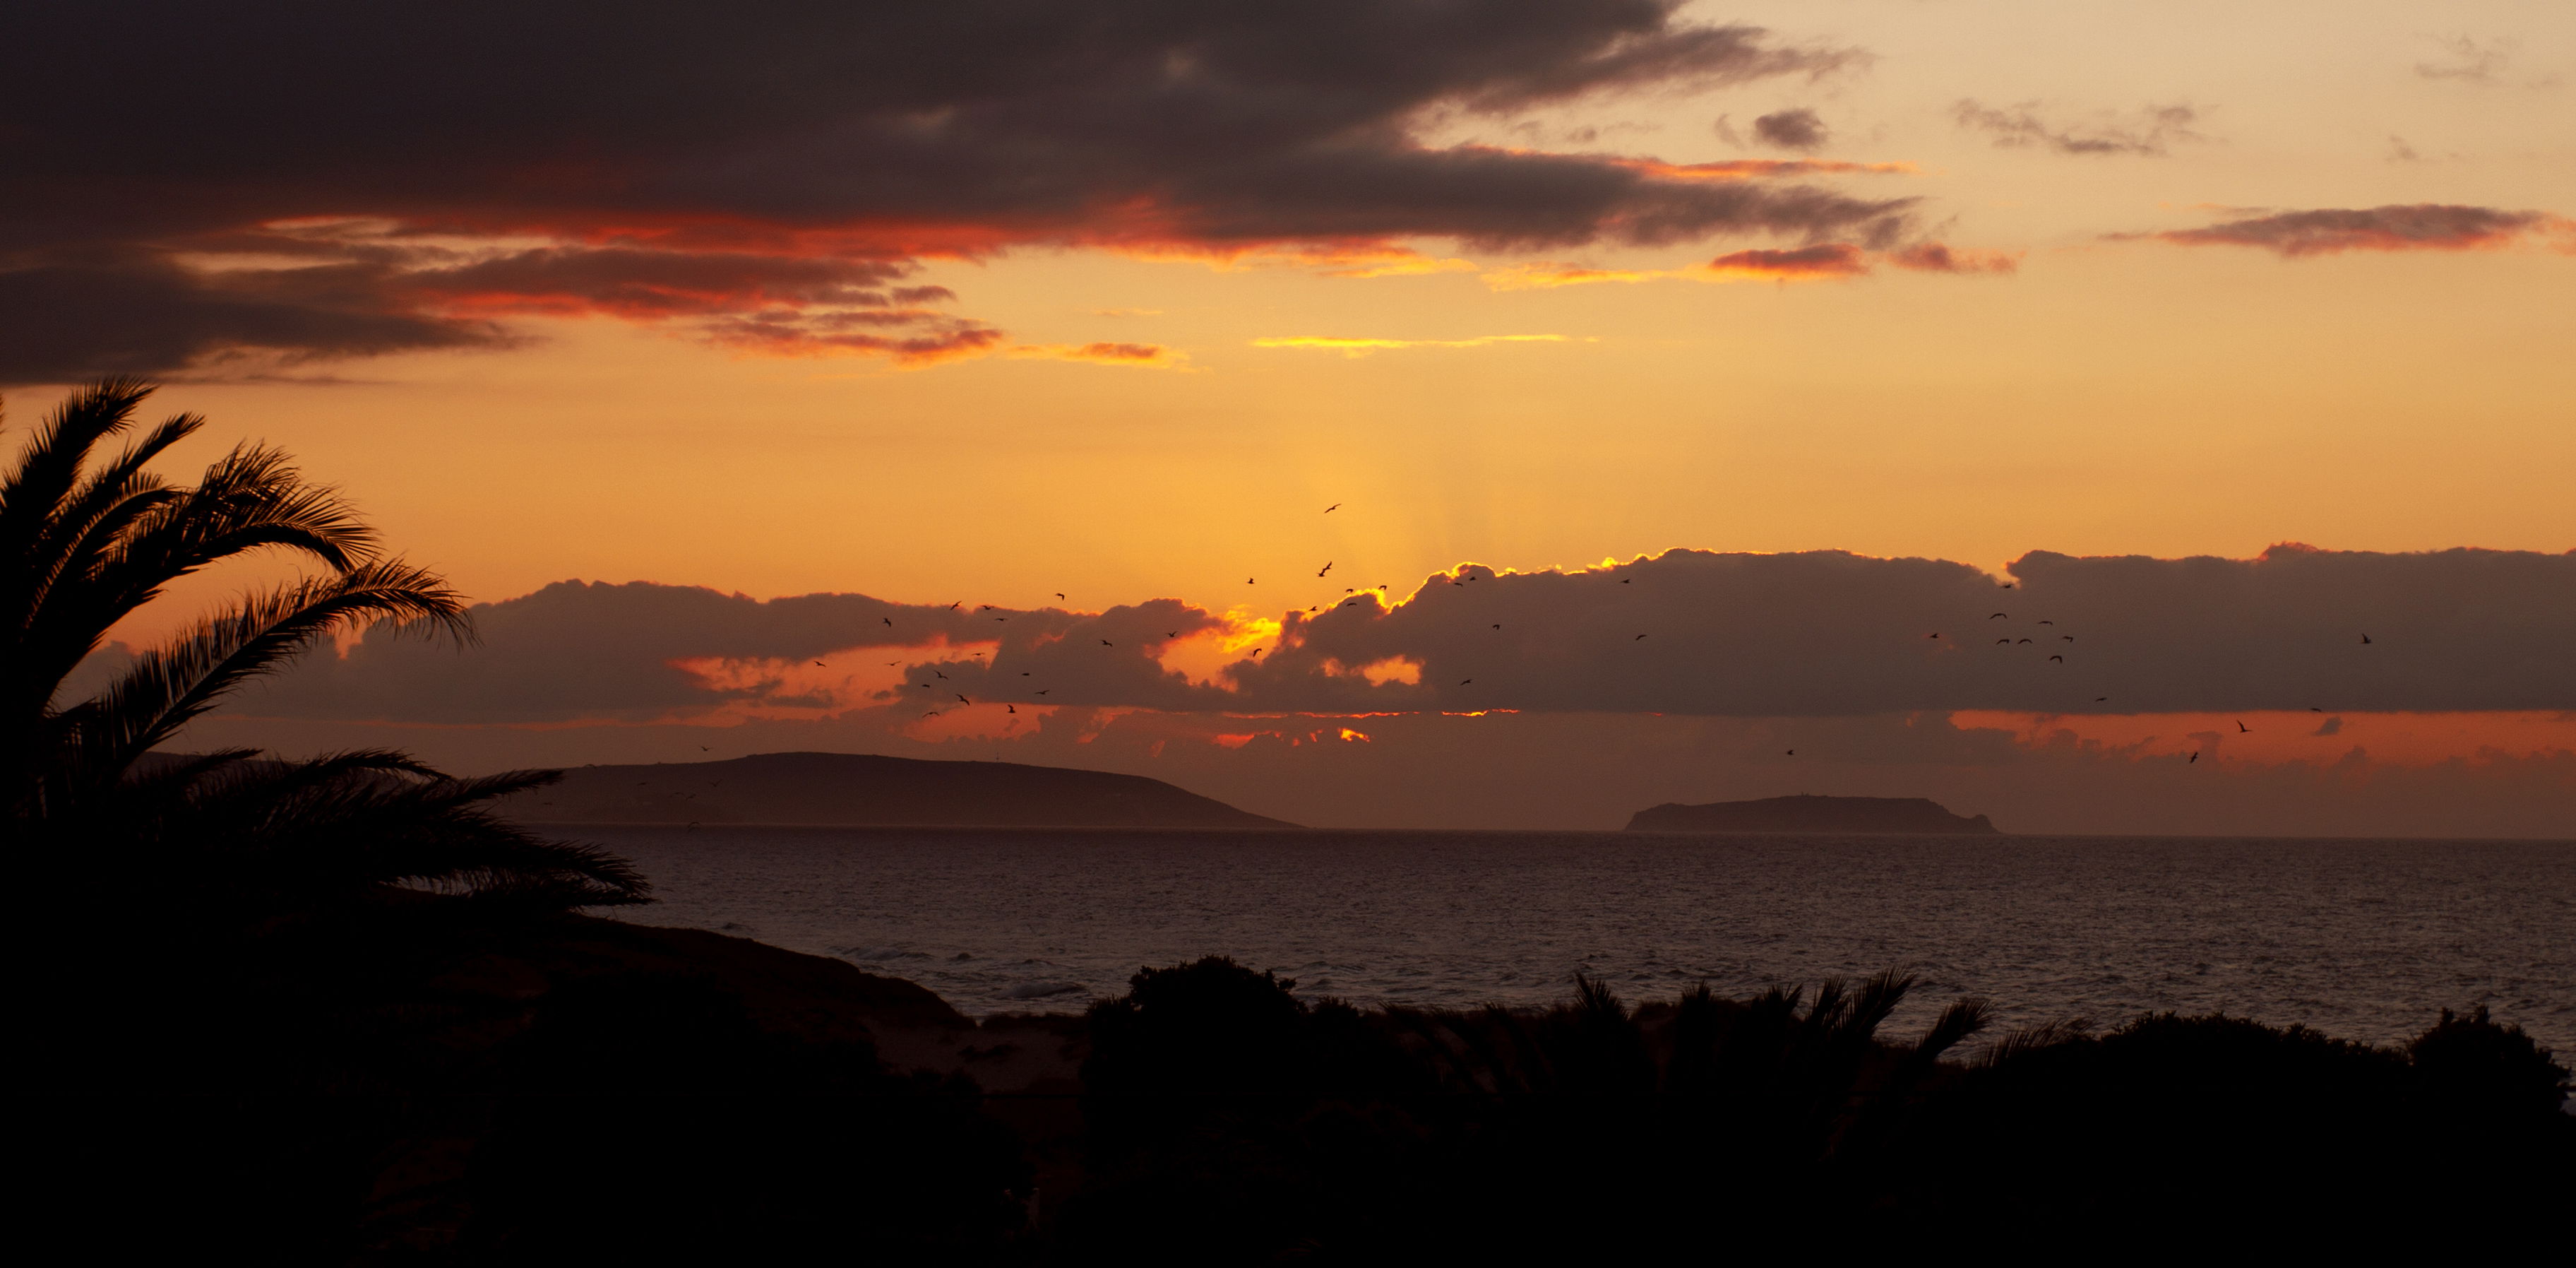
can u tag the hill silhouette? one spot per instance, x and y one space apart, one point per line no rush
1806 813
863 790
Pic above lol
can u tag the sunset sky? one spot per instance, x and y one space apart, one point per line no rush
993 303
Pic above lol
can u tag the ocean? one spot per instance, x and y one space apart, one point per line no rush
2364 940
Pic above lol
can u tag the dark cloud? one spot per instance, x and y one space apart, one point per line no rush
136 312
1935 257
655 284
1823 260
789 333
1815 634
583 650
2468 61
636 652
2148 132
2417 227
1791 130
859 135
1829 633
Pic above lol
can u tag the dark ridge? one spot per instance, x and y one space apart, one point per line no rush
861 790
1805 813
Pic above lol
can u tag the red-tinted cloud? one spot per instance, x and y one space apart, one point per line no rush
785 153
2413 227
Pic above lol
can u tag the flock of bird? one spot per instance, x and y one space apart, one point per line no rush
1468 575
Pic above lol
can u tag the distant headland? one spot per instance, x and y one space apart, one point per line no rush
1810 814
859 790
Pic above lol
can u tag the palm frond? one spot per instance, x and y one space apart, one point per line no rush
250 499
1876 998
1961 1021
51 461
168 687
2030 1039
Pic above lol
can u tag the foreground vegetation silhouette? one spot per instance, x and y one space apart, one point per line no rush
277 987
334 1011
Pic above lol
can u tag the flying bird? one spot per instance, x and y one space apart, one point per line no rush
2194 757
2068 637
2314 709
1328 567
1464 681
1996 617
1010 708
937 672
2365 639
888 620
1937 635
954 606
1059 594
964 700
2101 699
1793 752
1642 636
2048 622
2005 586
1498 627
1044 692
1625 580
818 662
704 749
1106 643
2007 642
1334 507
2025 640
1171 633
2059 659
1247 581
2241 728
932 714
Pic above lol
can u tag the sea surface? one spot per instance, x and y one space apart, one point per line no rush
2364 940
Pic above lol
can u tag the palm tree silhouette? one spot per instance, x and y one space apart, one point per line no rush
83 544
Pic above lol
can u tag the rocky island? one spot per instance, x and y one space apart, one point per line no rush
1810 814
862 790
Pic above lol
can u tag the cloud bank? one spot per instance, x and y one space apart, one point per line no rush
297 183
1819 634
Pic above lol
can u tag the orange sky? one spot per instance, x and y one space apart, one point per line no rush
1167 418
